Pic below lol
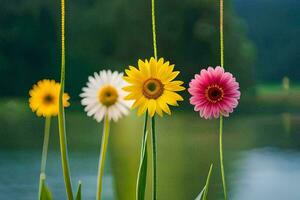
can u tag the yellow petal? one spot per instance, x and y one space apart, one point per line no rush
171 96
162 104
159 110
144 68
142 109
170 101
153 67
160 61
138 102
174 86
132 80
133 96
131 88
170 77
134 73
151 107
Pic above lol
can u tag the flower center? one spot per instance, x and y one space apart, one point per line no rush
153 88
108 95
48 99
214 93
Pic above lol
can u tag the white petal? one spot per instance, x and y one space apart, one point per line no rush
122 108
93 110
100 114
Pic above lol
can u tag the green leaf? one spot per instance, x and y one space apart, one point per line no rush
200 196
207 183
78 194
204 191
45 193
142 174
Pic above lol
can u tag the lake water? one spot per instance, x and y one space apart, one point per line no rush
262 156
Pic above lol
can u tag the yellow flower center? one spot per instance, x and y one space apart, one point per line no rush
153 88
108 95
214 93
48 99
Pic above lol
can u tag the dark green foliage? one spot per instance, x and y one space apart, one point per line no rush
273 25
114 34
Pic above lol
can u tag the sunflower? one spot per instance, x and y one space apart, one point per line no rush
104 96
152 87
44 98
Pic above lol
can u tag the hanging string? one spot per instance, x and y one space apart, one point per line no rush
63 44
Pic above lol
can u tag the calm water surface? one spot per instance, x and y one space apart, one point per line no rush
262 157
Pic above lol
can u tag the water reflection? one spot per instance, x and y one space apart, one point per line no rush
267 173
19 175
186 147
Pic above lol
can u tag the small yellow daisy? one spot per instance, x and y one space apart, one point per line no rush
44 98
152 86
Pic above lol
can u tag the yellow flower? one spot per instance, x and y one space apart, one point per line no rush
152 86
44 98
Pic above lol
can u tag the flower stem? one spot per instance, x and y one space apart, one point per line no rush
153 118
142 173
45 151
221 33
221 158
154 159
154 28
221 118
45 144
61 114
104 144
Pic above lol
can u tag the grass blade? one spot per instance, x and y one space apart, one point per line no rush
78 194
45 192
204 191
142 175
200 196
207 183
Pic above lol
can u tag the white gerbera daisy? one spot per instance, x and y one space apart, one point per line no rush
104 96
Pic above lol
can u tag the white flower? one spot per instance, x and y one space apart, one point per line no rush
104 96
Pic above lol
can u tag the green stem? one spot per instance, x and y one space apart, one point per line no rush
153 28
140 192
45 151
221 118
221 33
61 114
104 144
45 144
64 155
221 158
154 157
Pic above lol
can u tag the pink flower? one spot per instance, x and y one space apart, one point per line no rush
214 93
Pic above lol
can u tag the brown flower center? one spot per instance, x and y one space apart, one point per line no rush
48 99
153 88
108 95
214 93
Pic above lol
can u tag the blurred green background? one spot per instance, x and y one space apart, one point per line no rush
261 138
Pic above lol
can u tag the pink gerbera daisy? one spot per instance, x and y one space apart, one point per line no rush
214 93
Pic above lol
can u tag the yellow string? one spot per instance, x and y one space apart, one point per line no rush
62 44
154 28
